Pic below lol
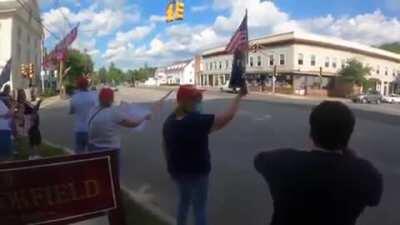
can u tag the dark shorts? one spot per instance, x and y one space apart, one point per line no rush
35 138
5 144
81 142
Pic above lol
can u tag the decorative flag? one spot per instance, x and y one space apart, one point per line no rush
238 46
60 51
5 73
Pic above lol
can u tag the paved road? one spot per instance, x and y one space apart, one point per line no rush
238 195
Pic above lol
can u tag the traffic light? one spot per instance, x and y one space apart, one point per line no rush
31 70
170 17
23 70
179 10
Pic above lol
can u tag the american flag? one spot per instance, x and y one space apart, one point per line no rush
60 51
238 46
5 73
240 40
67 41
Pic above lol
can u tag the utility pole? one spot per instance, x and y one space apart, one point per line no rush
274 79
60 77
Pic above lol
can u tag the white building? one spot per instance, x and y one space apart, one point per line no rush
20 38
160 76
180 73
300 59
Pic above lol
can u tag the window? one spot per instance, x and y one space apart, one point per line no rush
19 51
281 59
271 60
313 60
386 71
215 66
334 62
258 60
327 62
300 59
378 69
251 61
19 33
394 72
220 65
343 63
226 64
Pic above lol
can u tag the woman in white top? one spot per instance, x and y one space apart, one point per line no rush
104 122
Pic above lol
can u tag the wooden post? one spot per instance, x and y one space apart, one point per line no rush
274 79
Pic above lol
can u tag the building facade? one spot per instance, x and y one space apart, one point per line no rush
301 62
20 39
178 73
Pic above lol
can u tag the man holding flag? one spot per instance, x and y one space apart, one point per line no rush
186 137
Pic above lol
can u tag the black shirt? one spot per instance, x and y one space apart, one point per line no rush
318 188
186 145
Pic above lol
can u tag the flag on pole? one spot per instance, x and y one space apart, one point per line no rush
5 73
238 46
60 51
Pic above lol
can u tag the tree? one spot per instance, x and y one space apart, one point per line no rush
79 63
393 47
102 73
115 75
354 72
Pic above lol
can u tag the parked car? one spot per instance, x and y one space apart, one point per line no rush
226 88
392 98
368 97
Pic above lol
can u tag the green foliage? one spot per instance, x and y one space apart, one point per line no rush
393 47
354 72
80 63
114 75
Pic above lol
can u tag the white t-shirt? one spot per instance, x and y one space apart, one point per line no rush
104 128
81 104
4 123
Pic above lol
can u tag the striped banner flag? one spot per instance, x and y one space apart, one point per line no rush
60 51
239 46
5 73
240 40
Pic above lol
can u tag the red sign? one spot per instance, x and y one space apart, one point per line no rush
58 190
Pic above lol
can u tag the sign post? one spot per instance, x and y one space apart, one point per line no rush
61 190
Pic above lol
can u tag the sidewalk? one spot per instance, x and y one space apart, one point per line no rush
300 97
279 95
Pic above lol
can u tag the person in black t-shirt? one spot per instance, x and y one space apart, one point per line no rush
329 185
187 152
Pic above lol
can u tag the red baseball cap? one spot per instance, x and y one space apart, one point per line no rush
82 82
106 95
188 93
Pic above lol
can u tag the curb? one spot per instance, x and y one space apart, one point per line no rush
154 210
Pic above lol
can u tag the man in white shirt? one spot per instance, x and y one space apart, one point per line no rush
81 104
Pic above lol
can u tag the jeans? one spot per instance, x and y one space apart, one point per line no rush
192 192
81 142
5 145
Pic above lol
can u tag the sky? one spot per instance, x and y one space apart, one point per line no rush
132 33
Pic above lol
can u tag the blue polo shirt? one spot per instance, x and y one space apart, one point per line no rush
186 145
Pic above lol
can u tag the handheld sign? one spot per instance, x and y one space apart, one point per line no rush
59 190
